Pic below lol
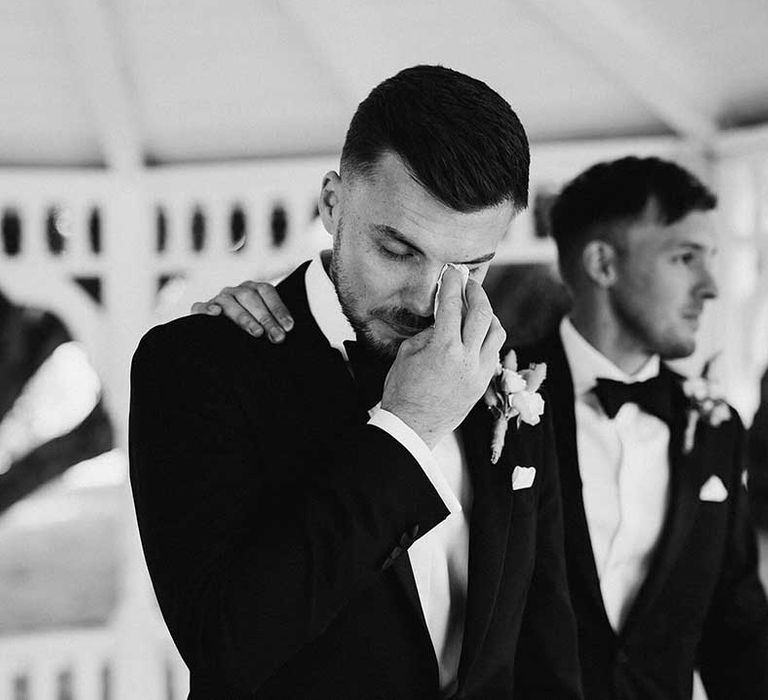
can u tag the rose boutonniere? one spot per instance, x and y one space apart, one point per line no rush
705 403
514 394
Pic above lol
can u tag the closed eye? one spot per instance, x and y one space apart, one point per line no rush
685 258
394 255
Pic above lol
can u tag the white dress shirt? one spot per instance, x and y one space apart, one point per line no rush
624 468
440 557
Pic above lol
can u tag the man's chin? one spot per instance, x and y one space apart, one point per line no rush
678 349
385 347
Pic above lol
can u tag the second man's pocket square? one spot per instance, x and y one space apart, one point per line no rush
713 490
522 477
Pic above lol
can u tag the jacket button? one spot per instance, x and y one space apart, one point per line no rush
622 658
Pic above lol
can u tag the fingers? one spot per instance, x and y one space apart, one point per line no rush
209 308
252 312
478 318
254 306
492 344
233 309
448 317
275 304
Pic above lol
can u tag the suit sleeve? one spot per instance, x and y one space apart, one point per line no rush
547 664
246 570
734 647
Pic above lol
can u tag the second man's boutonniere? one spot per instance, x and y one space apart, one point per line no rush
514 394
705 403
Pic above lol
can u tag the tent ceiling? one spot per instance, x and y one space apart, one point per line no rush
123 82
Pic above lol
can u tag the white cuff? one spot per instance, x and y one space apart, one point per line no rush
407 437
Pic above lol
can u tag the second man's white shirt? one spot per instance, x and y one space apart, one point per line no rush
624 468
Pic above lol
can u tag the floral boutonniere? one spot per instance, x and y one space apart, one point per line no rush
705 403
514 394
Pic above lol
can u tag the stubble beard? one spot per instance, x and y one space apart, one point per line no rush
385 350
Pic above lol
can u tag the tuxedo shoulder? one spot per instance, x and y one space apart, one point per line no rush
212 338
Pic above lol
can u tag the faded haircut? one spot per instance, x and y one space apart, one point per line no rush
615 193
459 139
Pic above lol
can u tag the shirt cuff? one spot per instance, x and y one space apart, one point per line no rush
407 437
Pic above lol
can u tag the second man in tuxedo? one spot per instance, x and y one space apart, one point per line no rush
662 560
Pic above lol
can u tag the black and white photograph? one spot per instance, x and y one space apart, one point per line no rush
383 350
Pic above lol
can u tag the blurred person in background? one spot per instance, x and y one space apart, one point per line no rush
52 416
661 556
321 518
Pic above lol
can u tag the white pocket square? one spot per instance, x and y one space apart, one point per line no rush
713 490
522 477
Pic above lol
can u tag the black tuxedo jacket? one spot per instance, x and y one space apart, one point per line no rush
702 604
276 523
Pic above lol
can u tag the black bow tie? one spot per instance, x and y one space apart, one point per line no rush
654 396
369 370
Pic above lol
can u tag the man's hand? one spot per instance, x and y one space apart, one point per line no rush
441 373
254 306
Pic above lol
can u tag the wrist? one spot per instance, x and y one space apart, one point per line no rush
430 437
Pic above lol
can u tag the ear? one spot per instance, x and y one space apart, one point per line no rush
329 201
599 262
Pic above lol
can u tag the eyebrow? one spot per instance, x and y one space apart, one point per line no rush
396 235
698 247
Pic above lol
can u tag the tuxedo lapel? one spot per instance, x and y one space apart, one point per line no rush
325 387
583 578
685 471
402 570
489 527
330 395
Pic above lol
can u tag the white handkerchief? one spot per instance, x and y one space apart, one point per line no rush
713 490
522 477
464 270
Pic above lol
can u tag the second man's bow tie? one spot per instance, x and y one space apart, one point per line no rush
653 396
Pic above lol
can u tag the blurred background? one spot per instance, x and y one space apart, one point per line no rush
152 152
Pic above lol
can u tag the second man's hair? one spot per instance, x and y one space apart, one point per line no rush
617 192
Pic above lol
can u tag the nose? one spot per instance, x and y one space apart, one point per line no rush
708 288
419 295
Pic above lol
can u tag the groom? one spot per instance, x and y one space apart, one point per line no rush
321 518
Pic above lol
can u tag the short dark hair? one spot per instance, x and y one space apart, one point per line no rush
459 139
616 192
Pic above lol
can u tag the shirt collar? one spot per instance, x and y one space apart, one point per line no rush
587 363
325 306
